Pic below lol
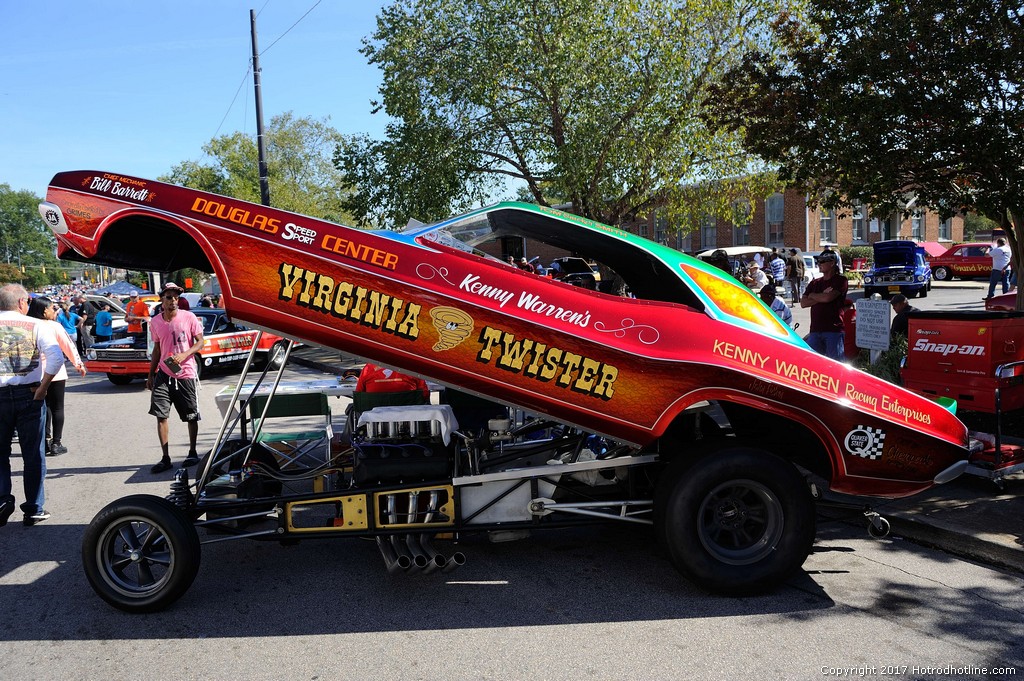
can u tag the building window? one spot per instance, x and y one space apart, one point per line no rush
774 215
827 231
917 226
642 230
946 229
859 219
741 213
708 232
660 227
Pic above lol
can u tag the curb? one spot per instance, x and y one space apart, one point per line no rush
930 532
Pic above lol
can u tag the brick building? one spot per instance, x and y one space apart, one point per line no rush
786 220
782 220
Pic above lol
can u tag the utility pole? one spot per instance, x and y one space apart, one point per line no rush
260 144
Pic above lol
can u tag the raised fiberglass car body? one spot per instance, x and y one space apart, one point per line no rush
653 409
899 267
225 343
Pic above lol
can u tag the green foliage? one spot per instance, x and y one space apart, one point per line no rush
302 177
880 101
25 240
888 365
593 102
974 223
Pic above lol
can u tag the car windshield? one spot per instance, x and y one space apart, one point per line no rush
626 265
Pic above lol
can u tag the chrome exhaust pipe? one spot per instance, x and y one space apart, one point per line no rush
402 551
419 558
392 561
437 561
402 555
458 559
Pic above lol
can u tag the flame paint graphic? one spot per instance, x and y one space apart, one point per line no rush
453 326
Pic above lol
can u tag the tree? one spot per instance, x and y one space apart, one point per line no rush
884 101
591 101
25 240
301 174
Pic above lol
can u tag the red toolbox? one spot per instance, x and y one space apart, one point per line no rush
955 354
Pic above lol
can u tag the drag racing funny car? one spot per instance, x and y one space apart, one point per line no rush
225 344
557 405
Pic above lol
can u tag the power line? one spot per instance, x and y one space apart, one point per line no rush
267 48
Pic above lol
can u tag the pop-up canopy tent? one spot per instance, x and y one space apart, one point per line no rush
120 288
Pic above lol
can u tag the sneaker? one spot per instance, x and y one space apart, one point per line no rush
164 465
6 509
56 449
36 518
191 460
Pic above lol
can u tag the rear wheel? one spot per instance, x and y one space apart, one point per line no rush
140 553
739 521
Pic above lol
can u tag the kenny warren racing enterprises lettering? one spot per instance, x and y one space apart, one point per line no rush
348 302
121 187
236 215
889 404
537 360
360 252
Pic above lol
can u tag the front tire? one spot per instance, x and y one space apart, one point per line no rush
941 274
140 553
739 521
275 356
120 379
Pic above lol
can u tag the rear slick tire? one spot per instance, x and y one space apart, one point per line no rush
740 521
140 553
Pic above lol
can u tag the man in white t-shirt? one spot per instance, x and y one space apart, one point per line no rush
1000 254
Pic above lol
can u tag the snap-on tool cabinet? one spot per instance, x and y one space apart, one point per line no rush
956 354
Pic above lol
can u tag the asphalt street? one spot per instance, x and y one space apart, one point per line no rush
591 603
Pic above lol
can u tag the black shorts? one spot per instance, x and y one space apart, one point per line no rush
181 392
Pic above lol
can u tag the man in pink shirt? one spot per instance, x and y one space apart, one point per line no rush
173 374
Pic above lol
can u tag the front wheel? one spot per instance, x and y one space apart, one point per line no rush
941 274
140 553
275 356
120 379
739 521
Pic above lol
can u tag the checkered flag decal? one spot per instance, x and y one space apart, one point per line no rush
871 447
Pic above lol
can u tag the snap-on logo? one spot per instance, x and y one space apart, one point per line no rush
945 349
303 235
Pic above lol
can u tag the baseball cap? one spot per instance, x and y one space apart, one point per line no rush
753 265
171 286
132 294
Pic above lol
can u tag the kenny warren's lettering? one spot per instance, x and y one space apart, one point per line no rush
539 361
235 214
360 252
120 188
527 301
348 302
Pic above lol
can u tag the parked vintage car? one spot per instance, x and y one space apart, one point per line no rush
225 344
899 267
964 261
561 405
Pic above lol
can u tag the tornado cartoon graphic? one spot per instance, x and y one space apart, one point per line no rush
453 326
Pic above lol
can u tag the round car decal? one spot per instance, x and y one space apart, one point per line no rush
865 442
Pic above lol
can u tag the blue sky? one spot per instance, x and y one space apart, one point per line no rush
136 87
